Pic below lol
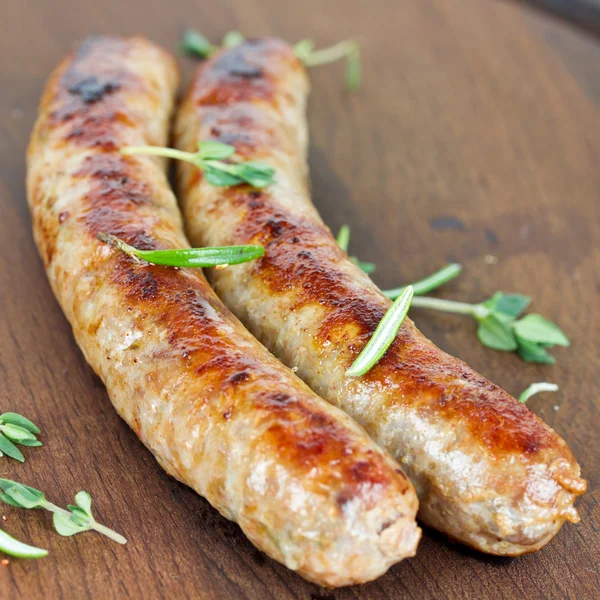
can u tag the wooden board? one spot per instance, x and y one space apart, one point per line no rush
475 137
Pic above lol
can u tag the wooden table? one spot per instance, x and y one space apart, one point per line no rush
475 137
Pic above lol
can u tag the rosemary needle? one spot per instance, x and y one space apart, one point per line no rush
187 257
384 335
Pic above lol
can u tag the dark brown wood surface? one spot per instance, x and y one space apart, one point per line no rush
475 137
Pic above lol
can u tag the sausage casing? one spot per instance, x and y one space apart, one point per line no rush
304 482
488 471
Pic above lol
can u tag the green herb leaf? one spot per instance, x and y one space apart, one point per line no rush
384 335
509 304
219 177
209 160
17 434
194 43
367 267
343 236
495 333
353 68
430 283
534 353
84 502
536 388
535 328
303 49
231 39
15 419
255 173
20 495
66 522
30 443
8 448
188 257
213 150
9 545
66 526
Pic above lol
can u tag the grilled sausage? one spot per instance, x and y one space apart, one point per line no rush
488 472
304 482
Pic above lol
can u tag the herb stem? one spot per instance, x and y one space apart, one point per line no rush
327 55
461 308
109 533
159 151
92 524
430 283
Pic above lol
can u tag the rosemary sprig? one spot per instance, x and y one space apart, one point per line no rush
16 429
536 388
187 257
434 281
384 335
209 159
76 519
9 545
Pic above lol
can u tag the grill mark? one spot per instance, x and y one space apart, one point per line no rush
245 73
88 100
243 126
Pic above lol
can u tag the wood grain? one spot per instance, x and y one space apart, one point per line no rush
476 134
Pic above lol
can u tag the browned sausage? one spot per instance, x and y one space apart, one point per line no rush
304 482
487 471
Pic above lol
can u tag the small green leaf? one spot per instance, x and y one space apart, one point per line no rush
255 173
8 448
193 42
232 39
509 304
343 237
367 267
536 388
79 516
219 178
15 419
16 433
66 526
303 49
495 333
213 150
23 496
533 353
383 336
84 501
13 547
30 443
353 69
535 328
